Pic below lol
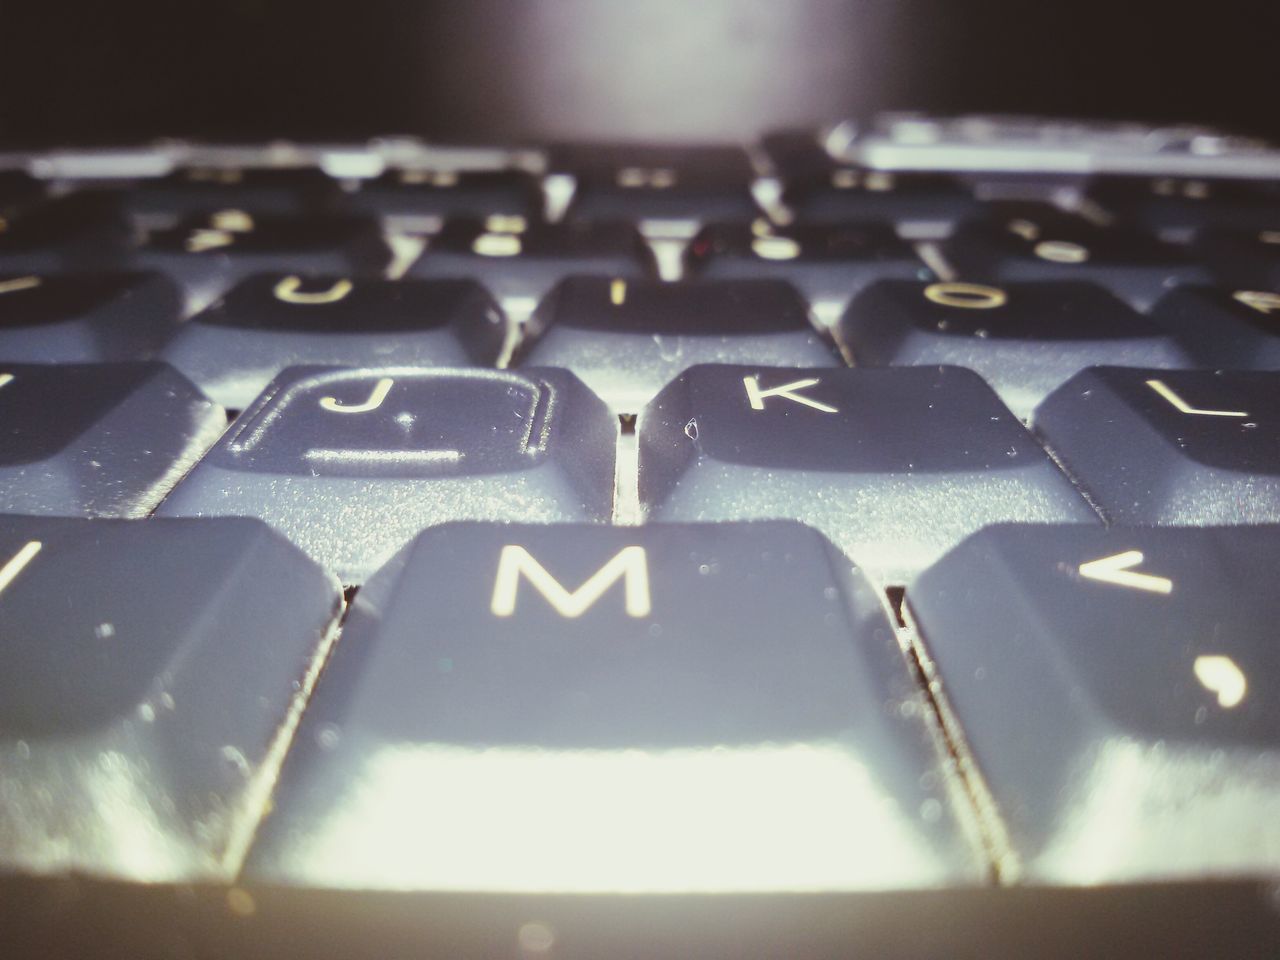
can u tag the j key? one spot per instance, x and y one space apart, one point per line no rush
843 194
657 183
726 704
203 190
626 339
1117 690
895 466
86 318
1134 266
1024 338
146 682
1240 258
825 262
448 193
84 231
1170 447
1239 329
516 258
208 255
350 464
272 321
1173 204
98 440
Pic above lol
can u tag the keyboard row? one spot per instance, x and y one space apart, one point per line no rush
894 465
676 707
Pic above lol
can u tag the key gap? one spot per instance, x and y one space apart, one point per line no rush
897 595
626 493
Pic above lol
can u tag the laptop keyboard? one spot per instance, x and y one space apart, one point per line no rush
646 523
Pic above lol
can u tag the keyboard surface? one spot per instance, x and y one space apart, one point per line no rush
868 547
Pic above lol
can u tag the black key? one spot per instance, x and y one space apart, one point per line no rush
1134 266
448 193
195 191
825 262
86 231
1177 204
1239 329
147 678
85 318
1170 447
841 194
350 464
1024 338
626 339
272 321
18 189
1238 258
515 258
895 466
1115 689
98 440
506 696
658 183
208 256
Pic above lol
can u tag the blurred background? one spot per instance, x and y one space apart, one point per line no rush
670 70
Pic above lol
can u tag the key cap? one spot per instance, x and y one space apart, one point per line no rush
84 318
200 191
271 321
448 193
98 440
1181 205
148 680
1135 267
657 183
825 262
1170 447
18 189
515 258
350 464
1237 258
609 708
1113 686
626 339
1025 339
841 194
895 466
86 231
1220 327
208 256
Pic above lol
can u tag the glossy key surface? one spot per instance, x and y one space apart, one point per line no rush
1117 690
276 320
351 463
148 675
895 466
1170 447
98 440
605 708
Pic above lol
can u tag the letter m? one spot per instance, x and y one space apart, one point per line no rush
630 564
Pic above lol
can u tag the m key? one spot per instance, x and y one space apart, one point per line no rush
592 708
1117 691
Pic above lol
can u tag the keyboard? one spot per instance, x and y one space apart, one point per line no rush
861 542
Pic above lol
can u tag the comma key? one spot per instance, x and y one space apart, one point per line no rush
727 705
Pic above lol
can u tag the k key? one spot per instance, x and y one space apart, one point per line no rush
1220 327
895 466
147 674
1117 690
351 463
507 695
1170 447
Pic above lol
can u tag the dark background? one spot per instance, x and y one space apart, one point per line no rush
668 70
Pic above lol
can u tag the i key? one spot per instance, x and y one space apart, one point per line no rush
86 318
350 464
520 259
1220 327
149 677
626 339
1170 447
271 321
895 466
1116 689
98 440
612 709
1024 338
